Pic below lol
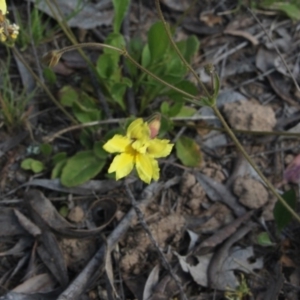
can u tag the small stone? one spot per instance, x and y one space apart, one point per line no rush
76 214
251 192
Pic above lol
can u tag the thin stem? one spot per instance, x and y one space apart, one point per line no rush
191 98
161 16
43 86
252 163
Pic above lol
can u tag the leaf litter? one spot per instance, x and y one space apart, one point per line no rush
204 221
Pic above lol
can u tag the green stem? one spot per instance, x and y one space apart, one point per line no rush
252 163
167 29
191 98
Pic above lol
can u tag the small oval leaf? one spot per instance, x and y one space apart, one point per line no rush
187 150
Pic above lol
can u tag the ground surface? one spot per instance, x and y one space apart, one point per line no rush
198 233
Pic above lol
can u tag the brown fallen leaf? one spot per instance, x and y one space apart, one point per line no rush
246 35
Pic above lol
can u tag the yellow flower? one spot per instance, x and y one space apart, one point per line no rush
3 7
139 150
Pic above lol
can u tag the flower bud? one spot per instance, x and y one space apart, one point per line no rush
51 58
154 125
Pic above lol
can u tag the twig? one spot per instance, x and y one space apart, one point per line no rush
153 241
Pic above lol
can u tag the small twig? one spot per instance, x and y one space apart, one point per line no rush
275 47
153 241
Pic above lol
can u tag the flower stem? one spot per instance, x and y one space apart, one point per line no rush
252 163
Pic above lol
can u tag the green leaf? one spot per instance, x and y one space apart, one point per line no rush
49 75
26 163
175 108
46 149
59 157
56 171
34 165
166 125
120 9
118 91
158 42
186 111
192 47
164 108
116 40
68 95
281 215
263 239
99 151
106 66
188 152
184 85
85 115
146 56
80 168
290 10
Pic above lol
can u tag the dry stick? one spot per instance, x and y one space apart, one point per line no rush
141 219
255 167
275 47
95 266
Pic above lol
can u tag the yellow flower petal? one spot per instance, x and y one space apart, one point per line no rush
155 169
147 167
122 165
140 146
3 6
159 148
138 130
118 143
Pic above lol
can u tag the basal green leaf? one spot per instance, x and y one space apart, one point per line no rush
46 149
68 95
192 47
80 168
116 40
26 163
59 157
281 215
175 108
106 66
56 171
158 42
186 111
49 75
188 152
34 165
99 151
146 56
120 9
164 108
